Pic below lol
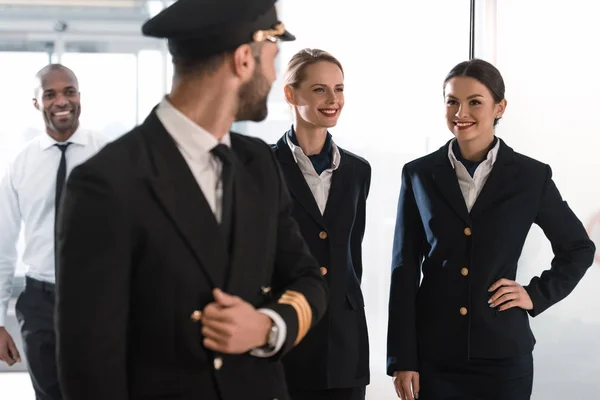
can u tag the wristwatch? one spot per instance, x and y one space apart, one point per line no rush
272 338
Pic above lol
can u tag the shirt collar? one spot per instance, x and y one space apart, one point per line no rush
80 137
194 140
491 157
298 152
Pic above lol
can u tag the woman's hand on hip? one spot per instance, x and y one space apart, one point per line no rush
509 294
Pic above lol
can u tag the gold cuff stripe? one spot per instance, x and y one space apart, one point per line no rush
264 34
298 311
304 313
303 310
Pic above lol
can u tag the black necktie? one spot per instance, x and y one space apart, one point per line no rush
225 155
61 175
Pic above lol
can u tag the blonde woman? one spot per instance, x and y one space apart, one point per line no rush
330 188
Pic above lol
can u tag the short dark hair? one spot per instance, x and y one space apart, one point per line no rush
485 73
207 65
37 84
188 66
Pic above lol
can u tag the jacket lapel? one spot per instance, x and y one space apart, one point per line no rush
295 181
339 185
182 199
445 178
248 221
498 181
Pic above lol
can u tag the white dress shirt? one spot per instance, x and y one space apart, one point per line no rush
471 186
195 144
319 184
27 196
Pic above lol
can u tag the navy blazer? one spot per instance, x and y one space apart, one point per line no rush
446 316
334 354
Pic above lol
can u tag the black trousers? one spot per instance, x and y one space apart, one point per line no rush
35 313
477 379
331 394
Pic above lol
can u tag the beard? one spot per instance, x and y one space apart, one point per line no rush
253 98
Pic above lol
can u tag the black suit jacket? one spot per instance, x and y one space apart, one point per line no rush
336 353
461 254
140 250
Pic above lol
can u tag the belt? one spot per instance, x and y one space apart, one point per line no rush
39 285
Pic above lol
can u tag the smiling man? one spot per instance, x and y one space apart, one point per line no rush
57 97
29 191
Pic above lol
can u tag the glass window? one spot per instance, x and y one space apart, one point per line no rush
21 122
552 87
394 65
108 84
153 81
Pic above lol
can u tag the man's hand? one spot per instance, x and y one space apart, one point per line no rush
8 351
233 326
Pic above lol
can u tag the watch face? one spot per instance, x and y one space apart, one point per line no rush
273 335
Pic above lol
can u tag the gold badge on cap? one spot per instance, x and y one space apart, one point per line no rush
269 34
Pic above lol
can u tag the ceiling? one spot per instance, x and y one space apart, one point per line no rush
70 10
76 3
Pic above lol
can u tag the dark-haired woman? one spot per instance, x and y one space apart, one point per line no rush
458 321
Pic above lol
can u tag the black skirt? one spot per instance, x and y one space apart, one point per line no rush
499 379
330 394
